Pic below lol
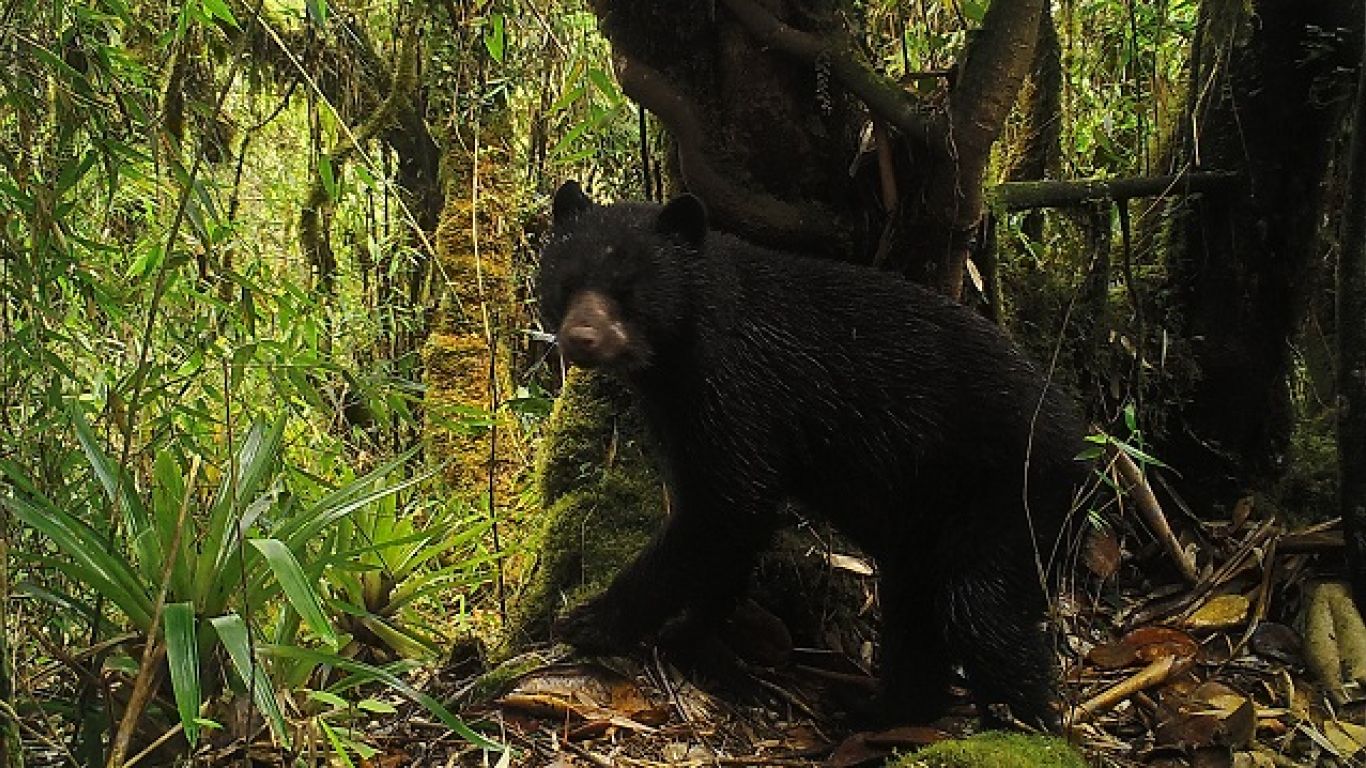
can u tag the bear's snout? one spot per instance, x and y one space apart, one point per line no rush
592 334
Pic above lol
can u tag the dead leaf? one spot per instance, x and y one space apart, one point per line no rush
907 736
856 750
1276 641
1213 715
852 564
1152 643
1113 656
1221 612
1347 738
599 697
1103 553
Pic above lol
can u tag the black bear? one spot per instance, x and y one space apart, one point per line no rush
907 420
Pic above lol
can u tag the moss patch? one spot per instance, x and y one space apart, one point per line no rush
994 750
602 497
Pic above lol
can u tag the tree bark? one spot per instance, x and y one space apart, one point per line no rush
1266 101
766 109
1351 321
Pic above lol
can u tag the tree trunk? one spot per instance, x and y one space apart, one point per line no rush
1351 317
1266 101
767 111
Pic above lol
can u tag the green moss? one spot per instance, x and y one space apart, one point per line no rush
994 750
602 500
501 678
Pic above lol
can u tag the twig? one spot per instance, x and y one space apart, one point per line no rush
1155 673
1134 483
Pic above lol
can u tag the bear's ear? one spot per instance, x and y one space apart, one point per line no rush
570 201
684 216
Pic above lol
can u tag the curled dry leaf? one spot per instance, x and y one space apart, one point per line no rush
588 692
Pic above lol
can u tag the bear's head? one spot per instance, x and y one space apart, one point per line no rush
615 280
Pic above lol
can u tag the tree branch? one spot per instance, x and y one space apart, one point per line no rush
994 66
760 215
883 96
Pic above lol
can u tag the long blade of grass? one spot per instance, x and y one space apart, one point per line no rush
298 587
393 681
182 655
232 633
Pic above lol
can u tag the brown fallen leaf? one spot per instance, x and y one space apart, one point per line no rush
907 736
1211 715
1102 554
855 750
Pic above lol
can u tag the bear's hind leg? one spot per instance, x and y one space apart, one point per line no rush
916 666
994 620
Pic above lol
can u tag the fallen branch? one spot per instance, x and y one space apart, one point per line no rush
1133 482
1025 195
1155 673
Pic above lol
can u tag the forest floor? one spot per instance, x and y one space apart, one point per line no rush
1159 671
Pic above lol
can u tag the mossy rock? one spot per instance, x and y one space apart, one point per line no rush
994 750
602 499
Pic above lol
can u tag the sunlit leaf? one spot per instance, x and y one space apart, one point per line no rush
495 36
233 635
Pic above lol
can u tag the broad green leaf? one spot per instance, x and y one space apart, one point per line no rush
330 699
182 655
253 464
377 706
232 633
297 587
220 9
327 177
604 83
168 493
117 485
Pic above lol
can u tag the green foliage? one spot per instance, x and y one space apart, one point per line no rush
151 562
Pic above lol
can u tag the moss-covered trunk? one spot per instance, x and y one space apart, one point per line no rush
466 357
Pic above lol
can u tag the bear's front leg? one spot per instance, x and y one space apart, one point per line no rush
700 560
